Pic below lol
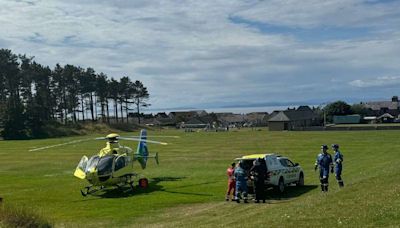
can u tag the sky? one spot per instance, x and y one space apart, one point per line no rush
217 53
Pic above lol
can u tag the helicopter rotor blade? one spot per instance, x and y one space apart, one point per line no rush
157 136
143 140
100 138
61 144
138 139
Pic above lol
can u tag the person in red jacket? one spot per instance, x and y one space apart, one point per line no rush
231 182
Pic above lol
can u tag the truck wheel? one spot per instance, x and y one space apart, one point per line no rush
281 185
301 180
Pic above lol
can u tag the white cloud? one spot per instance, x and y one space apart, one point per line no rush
190 52
316 13
376 82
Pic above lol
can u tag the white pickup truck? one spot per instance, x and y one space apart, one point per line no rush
281 171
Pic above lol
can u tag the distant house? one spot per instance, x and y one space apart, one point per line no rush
257 119
195 122
230 119
164 120
161 115
208 121
186 115
348 119
293 119
370 119
385 118
150 121
381 107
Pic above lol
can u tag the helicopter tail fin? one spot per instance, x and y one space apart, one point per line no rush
142 152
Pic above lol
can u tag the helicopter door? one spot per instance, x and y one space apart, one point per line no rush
104 167
120 162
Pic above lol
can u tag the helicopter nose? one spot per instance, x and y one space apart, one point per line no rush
92 170
90 173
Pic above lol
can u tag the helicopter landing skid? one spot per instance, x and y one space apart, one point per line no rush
129 180
87 190
132 186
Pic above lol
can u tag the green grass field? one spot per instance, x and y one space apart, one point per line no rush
187 189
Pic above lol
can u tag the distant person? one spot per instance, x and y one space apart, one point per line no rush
259 172
324 163
338 160
241 182
231 182
113 147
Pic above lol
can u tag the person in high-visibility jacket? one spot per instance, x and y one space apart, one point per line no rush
324 163
231 182
113 147
241 182
338 160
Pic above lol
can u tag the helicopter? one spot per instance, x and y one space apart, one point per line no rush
113 166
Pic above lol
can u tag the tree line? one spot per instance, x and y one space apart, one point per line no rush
33 95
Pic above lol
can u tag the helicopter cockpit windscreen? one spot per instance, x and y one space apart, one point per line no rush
104 167
92 163
83 163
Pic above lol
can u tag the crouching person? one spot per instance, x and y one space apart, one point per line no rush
241 183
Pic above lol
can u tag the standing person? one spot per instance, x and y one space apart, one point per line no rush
338 160
259 171
324 162
231 182
241 182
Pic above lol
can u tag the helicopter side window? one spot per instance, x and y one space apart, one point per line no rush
104 167
120 162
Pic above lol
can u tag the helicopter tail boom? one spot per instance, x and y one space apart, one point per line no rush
155 156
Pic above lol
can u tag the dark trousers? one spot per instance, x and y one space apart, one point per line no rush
259 190
339 179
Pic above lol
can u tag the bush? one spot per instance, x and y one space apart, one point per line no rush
21 217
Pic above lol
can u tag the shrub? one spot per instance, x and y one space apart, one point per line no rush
21 217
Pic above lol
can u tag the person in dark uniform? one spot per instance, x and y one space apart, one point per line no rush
324 162
259 172
338 160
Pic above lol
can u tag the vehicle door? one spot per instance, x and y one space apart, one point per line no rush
272 169
290 170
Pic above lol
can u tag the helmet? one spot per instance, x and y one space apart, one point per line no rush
335 146
324 147
112 138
